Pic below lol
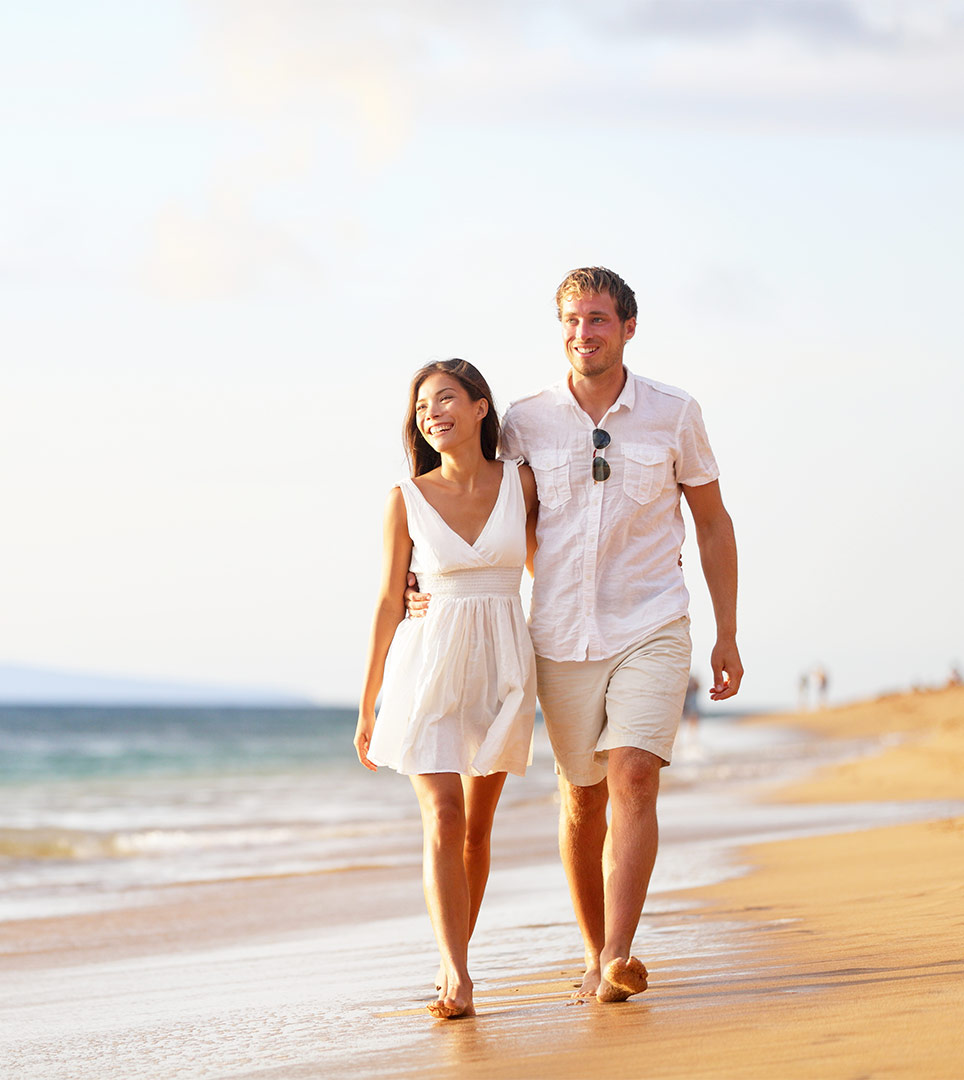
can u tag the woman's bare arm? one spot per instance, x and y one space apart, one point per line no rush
532 512
389 612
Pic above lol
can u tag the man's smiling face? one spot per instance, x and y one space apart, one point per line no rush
593 334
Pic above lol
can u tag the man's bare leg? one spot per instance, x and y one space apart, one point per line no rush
441 802
582 833
628 857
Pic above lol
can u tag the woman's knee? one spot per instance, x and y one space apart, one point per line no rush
444 819
478 835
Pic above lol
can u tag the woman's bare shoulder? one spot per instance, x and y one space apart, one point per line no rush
395 511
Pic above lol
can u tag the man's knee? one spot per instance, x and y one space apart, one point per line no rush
633 776
581 805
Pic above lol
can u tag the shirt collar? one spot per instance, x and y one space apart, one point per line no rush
627 396
563 395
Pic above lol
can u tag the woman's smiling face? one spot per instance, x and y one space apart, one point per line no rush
445 412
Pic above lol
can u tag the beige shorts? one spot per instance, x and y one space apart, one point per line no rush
633 699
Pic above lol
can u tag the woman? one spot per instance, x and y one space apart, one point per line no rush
459 685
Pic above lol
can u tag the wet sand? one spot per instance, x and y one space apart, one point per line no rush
834 955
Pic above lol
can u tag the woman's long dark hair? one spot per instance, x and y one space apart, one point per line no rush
421 456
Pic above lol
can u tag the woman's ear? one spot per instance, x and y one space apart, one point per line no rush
484 411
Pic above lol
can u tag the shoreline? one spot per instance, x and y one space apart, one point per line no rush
831 952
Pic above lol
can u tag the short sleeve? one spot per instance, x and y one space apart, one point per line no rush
695 463
510 444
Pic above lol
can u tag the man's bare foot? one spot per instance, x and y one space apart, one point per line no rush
589 985
453 1005
621 979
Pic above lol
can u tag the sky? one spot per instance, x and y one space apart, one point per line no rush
230 231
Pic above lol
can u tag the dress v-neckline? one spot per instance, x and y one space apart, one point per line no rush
488 520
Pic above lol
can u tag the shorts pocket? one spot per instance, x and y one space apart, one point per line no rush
552 480
644 472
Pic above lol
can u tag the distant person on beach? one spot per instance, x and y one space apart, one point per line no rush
817 680
458 687
821 682
803 690
612 453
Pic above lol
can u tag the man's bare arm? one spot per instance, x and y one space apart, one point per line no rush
714 534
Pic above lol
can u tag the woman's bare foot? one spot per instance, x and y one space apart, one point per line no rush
457 1002
440 980
589 985
621 979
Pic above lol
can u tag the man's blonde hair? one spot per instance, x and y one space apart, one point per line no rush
597 279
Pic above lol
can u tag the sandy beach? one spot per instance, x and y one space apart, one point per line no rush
831 950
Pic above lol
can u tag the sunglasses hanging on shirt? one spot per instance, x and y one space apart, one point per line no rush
600 466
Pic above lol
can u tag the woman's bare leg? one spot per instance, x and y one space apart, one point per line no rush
442 803
481 794
481 798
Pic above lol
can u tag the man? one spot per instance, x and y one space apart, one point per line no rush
612 453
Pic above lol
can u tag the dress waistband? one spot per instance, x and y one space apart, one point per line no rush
477 581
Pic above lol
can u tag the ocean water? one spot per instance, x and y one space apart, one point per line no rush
100 806
98 803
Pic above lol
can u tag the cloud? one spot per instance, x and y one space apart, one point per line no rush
314 65
872 23
382 71
341 91
820 19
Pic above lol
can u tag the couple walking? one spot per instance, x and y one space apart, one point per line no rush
595 515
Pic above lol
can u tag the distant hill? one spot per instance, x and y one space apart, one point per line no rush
23 685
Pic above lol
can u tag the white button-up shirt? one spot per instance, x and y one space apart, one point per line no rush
606 571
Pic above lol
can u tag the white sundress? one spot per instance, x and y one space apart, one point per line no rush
459 692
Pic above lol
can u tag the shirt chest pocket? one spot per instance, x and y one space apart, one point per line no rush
552 479
644 472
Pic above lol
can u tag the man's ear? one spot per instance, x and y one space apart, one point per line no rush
630 327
